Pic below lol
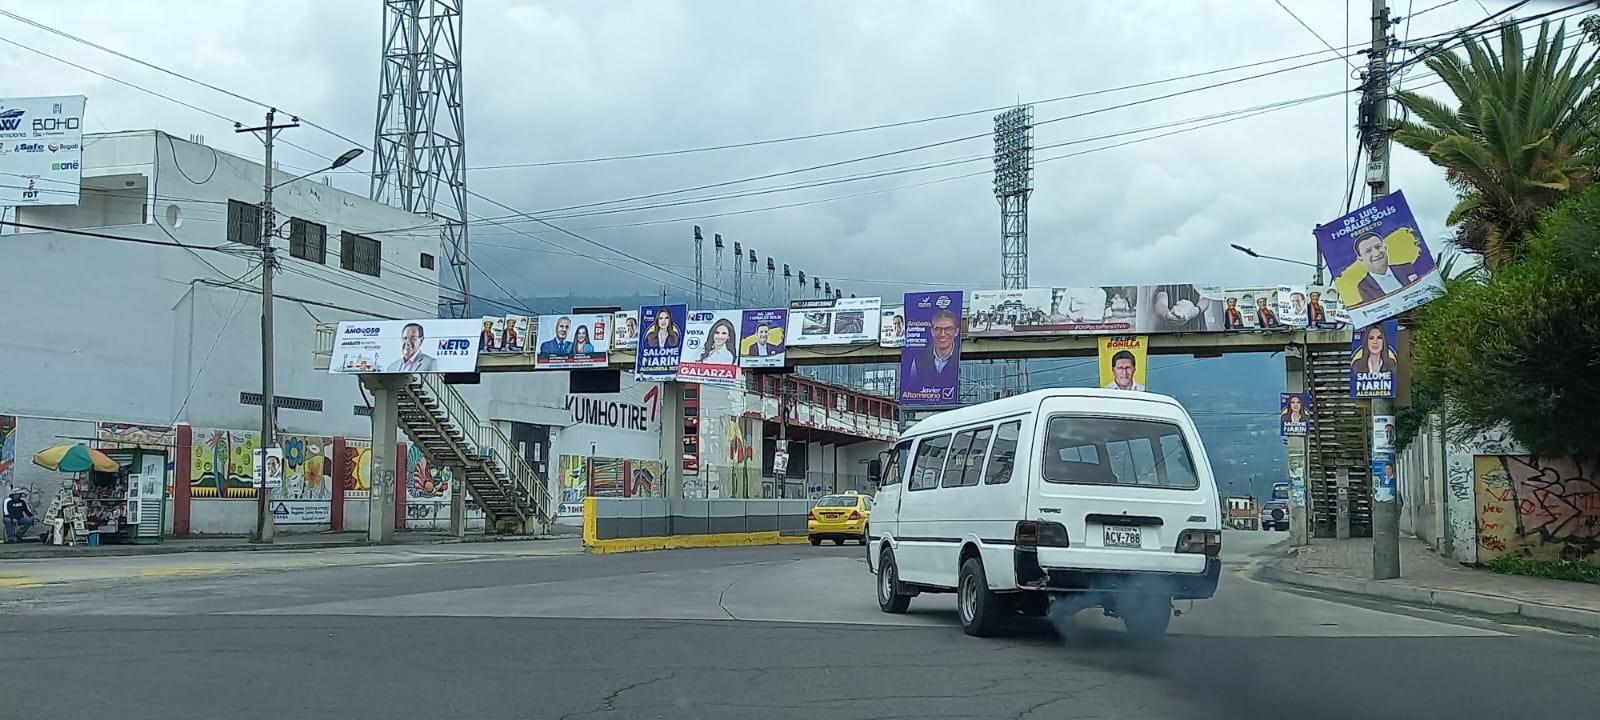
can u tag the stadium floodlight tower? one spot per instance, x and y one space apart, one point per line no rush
1013 183
420 133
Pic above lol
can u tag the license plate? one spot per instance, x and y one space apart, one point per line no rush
1123 536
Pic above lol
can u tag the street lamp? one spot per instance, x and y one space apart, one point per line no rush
1254 254
338 162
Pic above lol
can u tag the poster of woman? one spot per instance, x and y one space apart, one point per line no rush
661 341
573 341
1294 414
710 347
1373 360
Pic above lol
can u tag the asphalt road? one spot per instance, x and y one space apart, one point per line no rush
539 630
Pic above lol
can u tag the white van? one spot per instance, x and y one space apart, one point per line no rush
1079 497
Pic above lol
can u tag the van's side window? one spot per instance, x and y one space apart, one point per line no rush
966 458
929 463
1003 455
894 469
980 451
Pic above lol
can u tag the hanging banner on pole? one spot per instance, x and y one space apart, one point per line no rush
1381 265
1294 414
1373 360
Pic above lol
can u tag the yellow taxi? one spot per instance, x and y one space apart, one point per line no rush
839 518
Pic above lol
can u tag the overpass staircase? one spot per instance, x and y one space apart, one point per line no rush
513 496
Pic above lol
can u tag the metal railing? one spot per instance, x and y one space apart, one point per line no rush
486 441
323 345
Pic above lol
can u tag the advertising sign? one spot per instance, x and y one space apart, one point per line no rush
1381 265
1122 364
1373 360
842 321
661 341
406 346
301 512
761 335
625 330
1294 414
710 347
892 329
1179 308
930 362
573 341
1053 311
41 150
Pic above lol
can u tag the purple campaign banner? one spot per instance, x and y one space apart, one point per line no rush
1373 360
1294 414
660 341
761 338
1380 263
930 362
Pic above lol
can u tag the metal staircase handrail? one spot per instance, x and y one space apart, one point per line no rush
486 439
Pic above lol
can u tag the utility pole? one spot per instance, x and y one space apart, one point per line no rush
269 131
780 453
1375 134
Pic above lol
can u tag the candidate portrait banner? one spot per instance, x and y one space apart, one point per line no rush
1122 365
405 346
892 329
1384 435
625 330
573 341
1373 360
1380 263
930 361
710 347
660 341
1294 414
1383 477
761 336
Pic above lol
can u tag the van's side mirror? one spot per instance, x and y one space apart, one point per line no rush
875 471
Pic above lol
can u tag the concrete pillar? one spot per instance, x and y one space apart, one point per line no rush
672 439
458 502
1299 494
385 429
1342 523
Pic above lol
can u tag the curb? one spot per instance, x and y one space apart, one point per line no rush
164 549
1475 603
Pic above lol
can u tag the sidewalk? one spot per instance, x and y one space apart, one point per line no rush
1429 579
283 542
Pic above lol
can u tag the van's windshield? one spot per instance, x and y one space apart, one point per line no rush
1117 451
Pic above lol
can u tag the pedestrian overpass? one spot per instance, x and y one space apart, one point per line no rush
1333 457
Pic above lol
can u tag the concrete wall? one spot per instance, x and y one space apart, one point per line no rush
1545 509
633 518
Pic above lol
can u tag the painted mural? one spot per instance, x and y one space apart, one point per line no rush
117 436
307 460
425 481
8 449
1547 509
357 469
611 477
221 464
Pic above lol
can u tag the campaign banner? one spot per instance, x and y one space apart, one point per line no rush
661 341
892 328
405 346
573 341
834 321
761 336
1179 308
1380 263
514 333
1294 308
41 150
1122 365
492 334
710 347
1294 414
1251 309
625 330
1383 477
930 362
1325 309
1373 360
1053 311
1383 434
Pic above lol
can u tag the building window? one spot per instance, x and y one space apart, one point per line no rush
308 241
361 254
426 261
244 223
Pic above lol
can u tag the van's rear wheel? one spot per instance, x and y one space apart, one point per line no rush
891 597
1146 618
981 609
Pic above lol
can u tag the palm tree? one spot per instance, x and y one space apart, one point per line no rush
1519 139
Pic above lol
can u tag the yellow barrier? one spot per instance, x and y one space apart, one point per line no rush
594 544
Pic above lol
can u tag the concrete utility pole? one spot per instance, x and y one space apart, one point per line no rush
1375 133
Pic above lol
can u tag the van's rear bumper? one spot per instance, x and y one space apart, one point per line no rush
1181 586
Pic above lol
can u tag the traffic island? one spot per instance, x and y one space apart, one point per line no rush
614 525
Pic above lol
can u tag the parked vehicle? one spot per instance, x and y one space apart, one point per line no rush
1072 498
1275 513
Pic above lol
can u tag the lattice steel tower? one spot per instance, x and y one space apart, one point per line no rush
420 133
1013 183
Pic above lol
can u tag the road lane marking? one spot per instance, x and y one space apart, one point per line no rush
19 582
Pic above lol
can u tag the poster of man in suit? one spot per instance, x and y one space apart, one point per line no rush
1380 263
930 362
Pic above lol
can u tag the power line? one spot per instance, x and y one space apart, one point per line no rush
1316 34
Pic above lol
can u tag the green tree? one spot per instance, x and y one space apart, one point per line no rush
1518 140
1519 348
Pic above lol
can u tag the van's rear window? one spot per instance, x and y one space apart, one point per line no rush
1117 451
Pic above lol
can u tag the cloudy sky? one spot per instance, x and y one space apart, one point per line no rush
566 80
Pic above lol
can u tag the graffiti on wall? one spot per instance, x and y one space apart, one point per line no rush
357 469
8 449
1547 509
610 477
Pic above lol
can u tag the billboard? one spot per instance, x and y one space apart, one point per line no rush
573 341
827 321
405 346
661 342
711 347
625 330
1373 360
1381 265
1294 414
892 328
930 362
1179 308
41 150
761 336
1053 311
499 335
1122 361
